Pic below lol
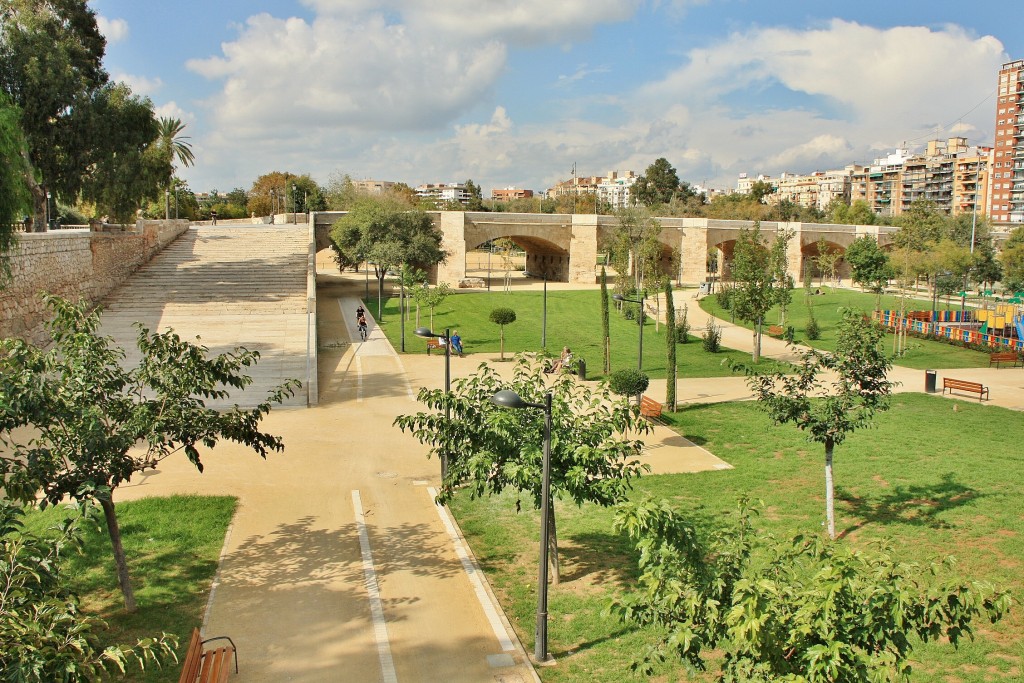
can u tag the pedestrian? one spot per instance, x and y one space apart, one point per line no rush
457 343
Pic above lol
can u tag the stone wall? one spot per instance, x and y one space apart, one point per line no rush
74 264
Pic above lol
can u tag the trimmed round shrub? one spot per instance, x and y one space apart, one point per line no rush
629 382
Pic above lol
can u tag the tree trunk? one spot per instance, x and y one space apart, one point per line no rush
553 544
502 336
830 512
122 564
757 342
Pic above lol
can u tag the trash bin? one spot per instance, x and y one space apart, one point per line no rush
929 381
582 369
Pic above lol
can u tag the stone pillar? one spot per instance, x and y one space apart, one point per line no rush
453 242
794 252
693 255
583 249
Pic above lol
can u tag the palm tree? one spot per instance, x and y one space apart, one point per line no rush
173 143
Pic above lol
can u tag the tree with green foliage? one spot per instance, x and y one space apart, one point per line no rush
760 190
635 248
475 202
629 382
870 266
1012 260
46 637
658 185
759 284
606 337
829 410
672 340
592 458
806 610
173 145
857 213
389 235
14 198
502 316
77 424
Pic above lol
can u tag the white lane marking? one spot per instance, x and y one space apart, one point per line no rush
380 627
473 572
216 578
359 379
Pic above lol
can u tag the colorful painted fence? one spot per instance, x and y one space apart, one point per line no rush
894 321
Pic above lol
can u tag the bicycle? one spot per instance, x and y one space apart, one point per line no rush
362 332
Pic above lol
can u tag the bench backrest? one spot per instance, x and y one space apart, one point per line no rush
193 659
959 383
1004 355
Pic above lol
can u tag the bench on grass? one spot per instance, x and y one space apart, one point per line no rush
650 408
434 343
208 666
962 385
776 331
1004 357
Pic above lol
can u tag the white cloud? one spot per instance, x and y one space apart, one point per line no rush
140 85
114 30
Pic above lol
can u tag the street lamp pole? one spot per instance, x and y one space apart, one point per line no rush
47 212
428 333
167 204
510 399
295 218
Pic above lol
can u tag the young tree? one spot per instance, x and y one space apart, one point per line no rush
828 410
592 460
389 235
45 635
870 265
606 343
14 198
502 316
756 272
807 610
434 297
92 423
670 329
635 248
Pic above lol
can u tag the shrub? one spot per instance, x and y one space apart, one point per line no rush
711 340
813 331
725 298
682 326
790 334
629 382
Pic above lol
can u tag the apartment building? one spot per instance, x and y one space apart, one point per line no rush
443 192
1007 184
373 186
815 190
615 188
509 193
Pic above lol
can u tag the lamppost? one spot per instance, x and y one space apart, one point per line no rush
167 204
619 297
46 226
428 333
510 399
295 218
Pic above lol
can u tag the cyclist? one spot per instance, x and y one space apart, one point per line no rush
361 324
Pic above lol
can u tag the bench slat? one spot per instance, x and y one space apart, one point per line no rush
193 659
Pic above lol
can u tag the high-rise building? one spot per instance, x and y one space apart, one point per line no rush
1007 184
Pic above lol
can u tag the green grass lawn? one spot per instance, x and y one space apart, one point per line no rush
934 481
922 354
173 545
573 320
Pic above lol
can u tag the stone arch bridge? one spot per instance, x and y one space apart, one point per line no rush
565 247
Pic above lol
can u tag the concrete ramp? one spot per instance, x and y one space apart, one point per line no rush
230 286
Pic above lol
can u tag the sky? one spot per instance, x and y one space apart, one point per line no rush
516 93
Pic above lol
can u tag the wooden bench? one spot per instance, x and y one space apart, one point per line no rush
776 331
208 666
1004 357
434 343
650 408
961 385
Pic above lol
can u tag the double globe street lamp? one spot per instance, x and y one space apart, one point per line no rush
507 398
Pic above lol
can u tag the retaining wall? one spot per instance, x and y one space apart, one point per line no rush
74 264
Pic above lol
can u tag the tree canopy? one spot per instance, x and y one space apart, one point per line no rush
93 423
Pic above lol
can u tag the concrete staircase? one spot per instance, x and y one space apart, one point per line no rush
230 286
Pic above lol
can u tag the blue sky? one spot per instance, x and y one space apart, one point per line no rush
513 93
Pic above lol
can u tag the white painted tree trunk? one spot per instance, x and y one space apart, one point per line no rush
830 512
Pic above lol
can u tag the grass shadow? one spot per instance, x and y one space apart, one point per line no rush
915 505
